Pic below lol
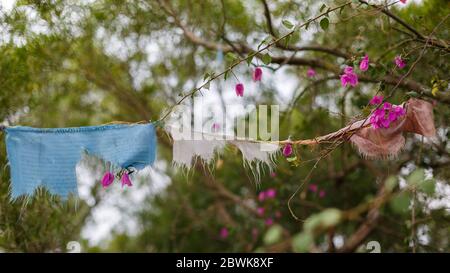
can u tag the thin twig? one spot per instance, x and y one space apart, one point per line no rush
251 55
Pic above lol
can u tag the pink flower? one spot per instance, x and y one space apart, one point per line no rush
215 127
260 211
271 193
273 174
311 73
403 1
385 122
262 196
287 150
399 62
374 121
257 74
387 106
364 64
400 111
313 187
392 116
255 233
269 221
223 234
384 116
107 179
126 180
239 90
376 100
349 77
322 193
277 214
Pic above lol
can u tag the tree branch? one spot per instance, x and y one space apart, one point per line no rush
298 61
420 37
322 49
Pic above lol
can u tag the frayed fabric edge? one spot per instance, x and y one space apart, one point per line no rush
369 156
255 158
72 195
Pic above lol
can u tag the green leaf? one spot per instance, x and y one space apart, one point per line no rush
312 223
302 242
291 159
413 94
273 235
366 111
391 183
400 203
264 41
225 75
260 250
330 217
324 23
207 85
249 59
287 40
434 91
428 187
266 59
322 7
416 177
230 56
324 220
287 24
307 25
206 76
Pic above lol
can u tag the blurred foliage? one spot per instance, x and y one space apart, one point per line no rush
64 63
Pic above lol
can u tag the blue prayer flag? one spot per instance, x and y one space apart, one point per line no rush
48 157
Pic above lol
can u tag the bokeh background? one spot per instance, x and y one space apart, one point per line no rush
79 63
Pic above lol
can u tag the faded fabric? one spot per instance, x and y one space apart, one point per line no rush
48 157
388 142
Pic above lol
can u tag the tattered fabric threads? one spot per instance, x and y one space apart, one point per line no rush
255 154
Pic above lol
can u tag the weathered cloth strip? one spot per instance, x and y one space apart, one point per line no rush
388 142
48 157
255 154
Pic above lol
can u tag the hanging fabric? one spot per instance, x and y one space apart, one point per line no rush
255 154
48 157
388 142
